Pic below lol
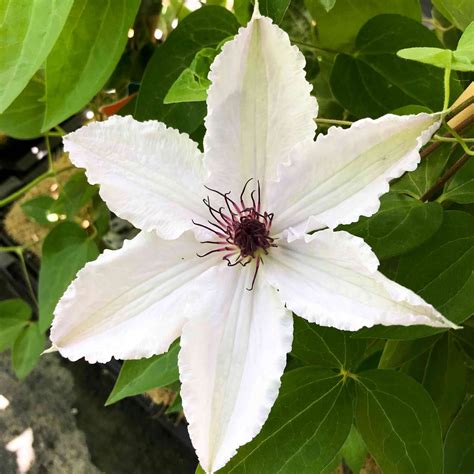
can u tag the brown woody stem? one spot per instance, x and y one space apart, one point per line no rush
446 176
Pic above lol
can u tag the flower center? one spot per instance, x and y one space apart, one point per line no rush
242 230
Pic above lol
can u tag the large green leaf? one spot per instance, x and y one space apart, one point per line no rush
26 350
462 59
398 422
416 183
204 28
85 55
14 316
28 30
38 209
24 117
442 372
459 443
458 12
75 194
460 188
354 451
401 224
337 28
441 271
438 57
66 249
325 347
275 9
397 353
138 376
192 83
306 429
374 81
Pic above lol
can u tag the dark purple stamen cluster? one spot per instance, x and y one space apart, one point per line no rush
243 230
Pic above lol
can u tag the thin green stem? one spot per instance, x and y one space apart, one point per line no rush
447 77
439 138
312 46
460 140
27 276
435 145
50 155
438 25
60 130
10 249
18 249
17 194
324 121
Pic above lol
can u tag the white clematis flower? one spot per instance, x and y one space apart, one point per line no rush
231 298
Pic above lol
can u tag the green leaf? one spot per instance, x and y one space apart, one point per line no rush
101 216
26 350
200 470
275 9
460 60
398 422
337 29
66 249
28 31
328 4
204 28
465 342
459 443
192 83
375 81
38 209
24 117
76 193
14 316
400 225
138 376
459 12
243 11
354 450
176 406
442 272
85 55
325 347
397 353
442 372
435 56
460 188
465 49
187 88
416 183
306 429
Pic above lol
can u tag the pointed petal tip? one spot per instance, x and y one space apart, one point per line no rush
51 349
256 11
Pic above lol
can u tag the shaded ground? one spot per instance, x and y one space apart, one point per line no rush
73 433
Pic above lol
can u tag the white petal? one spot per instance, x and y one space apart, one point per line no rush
342 175
231 361
133 302
259 106
331 278
149 174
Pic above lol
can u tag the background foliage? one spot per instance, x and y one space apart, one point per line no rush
401 395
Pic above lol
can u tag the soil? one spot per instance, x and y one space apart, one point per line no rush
73 433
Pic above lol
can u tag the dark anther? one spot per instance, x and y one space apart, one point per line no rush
244 234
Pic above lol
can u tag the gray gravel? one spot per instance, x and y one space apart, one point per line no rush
74 433
44 402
